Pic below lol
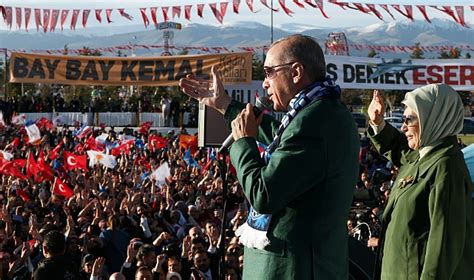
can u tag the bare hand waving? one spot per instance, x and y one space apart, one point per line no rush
376 109
210 93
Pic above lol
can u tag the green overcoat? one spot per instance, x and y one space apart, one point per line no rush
307 186
428 222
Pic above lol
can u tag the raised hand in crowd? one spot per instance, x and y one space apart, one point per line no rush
376 109
98 266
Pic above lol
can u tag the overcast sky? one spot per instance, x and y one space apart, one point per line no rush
307 16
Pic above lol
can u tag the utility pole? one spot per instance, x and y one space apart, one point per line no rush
5 73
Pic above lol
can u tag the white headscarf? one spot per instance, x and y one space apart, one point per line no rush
440 112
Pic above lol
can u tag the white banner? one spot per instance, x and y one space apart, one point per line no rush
401 74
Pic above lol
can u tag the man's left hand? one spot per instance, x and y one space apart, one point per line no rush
246 124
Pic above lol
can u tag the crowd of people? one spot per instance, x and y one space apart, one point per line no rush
117 222
120 222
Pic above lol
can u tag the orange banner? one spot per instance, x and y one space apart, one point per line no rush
235 68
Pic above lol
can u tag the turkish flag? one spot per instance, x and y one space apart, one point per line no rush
21 193
93 144
31 166
125 148
62 189
156 142
145 127
44 123
54 153
9 169
72 161
44 169
19 163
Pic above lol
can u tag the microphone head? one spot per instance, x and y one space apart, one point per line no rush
264 103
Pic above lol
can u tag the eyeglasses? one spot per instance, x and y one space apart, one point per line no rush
409 120
270 71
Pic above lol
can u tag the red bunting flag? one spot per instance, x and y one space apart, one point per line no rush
385 7
54 19
164 10
153 15
64 14
200 8
285 8
319 3
310 2
2 10
408 10
216 13
460 12
38 18
361 8
8 16
73 161
297 3
27 18
187 12
146 22
176 11
108 13
75 15
62 189
264 2
98 15
85 16
235 6
124 14
422 9
250 5
224 9
54 153
18 17
374 10
447 10
46 16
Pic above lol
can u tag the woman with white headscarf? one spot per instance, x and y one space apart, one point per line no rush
428 228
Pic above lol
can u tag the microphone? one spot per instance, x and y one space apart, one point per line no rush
262 103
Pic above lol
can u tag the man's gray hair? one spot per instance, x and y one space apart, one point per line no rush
305 50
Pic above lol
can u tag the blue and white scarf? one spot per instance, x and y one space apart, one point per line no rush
253 233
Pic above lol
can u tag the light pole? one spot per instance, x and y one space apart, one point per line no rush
271 22
5 73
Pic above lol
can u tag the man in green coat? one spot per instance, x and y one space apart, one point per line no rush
301 190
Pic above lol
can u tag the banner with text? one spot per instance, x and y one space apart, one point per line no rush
153 71
401 74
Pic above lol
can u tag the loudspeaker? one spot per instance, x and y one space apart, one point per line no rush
212 129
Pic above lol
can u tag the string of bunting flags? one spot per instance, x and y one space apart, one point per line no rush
48 19
254 49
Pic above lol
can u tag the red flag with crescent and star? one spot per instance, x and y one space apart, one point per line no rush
62 189
73 161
